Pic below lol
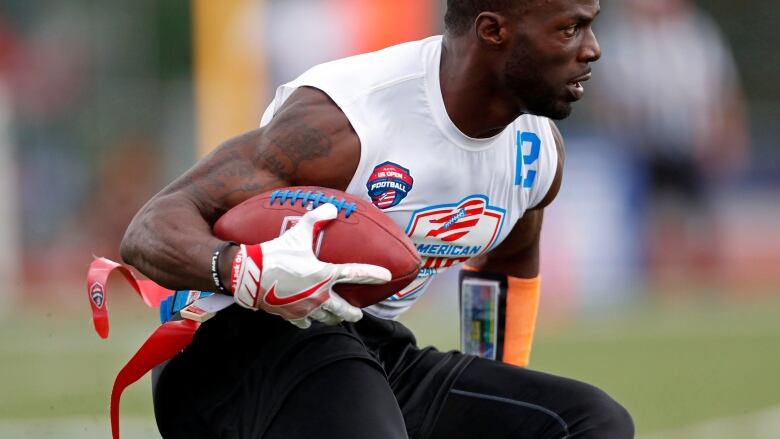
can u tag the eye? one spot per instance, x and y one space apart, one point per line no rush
571 31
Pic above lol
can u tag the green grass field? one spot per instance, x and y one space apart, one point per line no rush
703 368
676 367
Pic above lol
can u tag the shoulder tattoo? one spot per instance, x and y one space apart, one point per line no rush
291 145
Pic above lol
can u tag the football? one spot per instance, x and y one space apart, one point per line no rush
361 233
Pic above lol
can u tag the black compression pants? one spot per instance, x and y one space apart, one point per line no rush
364 380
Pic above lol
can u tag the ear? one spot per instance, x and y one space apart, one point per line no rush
492 28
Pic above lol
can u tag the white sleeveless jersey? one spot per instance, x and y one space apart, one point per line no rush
455 196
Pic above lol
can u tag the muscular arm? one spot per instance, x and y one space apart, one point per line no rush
309 142
518 255
517 258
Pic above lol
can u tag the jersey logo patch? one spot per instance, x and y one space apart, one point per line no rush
449 234
456 223
389 184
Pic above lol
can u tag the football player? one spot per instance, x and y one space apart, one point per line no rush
452 137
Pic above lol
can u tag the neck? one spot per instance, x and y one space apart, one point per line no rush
473 98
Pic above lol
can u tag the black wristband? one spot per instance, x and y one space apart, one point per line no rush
215 267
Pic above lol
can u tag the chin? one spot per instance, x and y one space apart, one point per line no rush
553 110
561 112
542 100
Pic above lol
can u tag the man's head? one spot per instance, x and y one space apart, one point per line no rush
537 50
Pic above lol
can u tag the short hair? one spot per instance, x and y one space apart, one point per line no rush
461 13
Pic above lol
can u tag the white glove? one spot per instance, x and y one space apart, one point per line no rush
284 277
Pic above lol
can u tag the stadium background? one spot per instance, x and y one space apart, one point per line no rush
102 103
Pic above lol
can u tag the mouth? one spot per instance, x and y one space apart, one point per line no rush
575 85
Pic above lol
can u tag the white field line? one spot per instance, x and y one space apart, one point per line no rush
760 425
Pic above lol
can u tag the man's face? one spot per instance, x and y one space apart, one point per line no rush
553 45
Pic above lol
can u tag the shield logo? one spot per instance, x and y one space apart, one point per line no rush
97 294
449 234
389 184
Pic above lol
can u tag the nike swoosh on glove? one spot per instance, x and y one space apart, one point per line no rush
284 277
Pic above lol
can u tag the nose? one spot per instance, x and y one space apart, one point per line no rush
590 51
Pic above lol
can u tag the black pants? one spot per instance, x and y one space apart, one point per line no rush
252 375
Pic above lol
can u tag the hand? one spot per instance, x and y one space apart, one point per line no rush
284 277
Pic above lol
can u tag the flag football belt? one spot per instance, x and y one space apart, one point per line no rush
172 306
181 313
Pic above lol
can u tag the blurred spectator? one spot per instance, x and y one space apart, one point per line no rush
670 93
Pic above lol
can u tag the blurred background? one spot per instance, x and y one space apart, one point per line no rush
660 255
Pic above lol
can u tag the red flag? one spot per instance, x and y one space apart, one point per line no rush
97 281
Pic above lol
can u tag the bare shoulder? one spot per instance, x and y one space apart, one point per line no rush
308 142
311 142
559 144
518 254
555 187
